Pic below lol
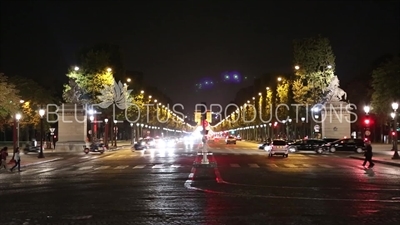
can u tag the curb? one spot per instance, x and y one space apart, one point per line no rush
377 161
42 162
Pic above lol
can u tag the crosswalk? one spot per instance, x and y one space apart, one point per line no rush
177 166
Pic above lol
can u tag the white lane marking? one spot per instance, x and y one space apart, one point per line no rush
235 165
271 165
139 167
120 167
290 165
308 165
86 168
159 166
175 166
252 165
325 166
102 168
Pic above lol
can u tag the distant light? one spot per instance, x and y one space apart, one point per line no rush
128 80
21 101
109 69
296 67
76 68
329 67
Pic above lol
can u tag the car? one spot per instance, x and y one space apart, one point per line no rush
263 145
140 145
315 145
278 147
238 138
230 140
347 144
150 142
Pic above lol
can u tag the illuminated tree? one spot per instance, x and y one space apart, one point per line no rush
9 100
385 84
315 67
282 97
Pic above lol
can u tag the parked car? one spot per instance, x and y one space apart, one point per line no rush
278 147
347 144
230 140
315 145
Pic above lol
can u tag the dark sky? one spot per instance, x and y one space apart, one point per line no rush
177 43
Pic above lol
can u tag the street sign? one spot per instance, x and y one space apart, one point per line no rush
367 133
52 130
316 128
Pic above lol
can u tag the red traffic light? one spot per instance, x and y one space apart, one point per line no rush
393 133
367 121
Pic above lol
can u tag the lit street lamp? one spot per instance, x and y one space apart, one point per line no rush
395 106
91 128
18 117
106 132
132 133
41 114
303 119
116 133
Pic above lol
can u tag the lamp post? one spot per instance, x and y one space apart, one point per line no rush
116 133
91 128
303 119
18 117
106 132
41 114
395 106
132 133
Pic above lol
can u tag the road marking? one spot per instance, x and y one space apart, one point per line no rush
271 165
290 165
139 167
45 170
254 165
102 168
158 166
86 168
325 166
175 166
120 167
308 165
235 165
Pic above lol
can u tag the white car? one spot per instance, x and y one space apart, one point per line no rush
277 147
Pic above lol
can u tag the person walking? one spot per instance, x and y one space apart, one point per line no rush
368 154
3 156
17 159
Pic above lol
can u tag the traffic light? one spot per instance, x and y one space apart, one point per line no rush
393 133
367 121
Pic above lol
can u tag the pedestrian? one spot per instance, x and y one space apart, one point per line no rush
17 159
4 155
368 154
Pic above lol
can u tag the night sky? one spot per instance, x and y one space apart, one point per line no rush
177 44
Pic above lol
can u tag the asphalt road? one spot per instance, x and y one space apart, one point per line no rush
161 186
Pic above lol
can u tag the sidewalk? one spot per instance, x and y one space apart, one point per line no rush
30 160
383 157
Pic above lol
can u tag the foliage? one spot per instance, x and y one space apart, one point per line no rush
300 92
9 99
316 62
34 97
385 84
84 86
282 97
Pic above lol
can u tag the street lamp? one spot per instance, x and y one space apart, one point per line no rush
116 133
132 133
109 69
279 79
106 132
41 114
91 128
296 67
303 119
367 109
395 106
18 117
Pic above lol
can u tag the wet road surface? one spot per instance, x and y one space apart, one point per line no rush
163 187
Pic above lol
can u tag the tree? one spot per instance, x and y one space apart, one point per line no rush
282 94
9 99
99 56
315 67
385 84
85 85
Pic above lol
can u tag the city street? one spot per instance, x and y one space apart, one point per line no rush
162 186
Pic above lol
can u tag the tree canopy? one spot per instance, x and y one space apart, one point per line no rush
385 84
315 67
9 99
